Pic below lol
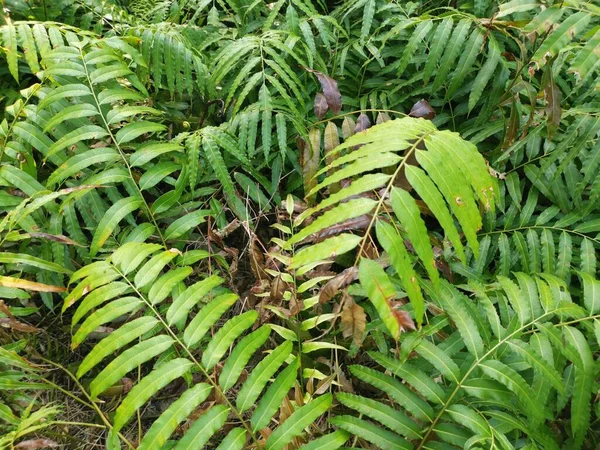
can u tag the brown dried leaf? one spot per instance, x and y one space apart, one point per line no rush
338 282
4 310
553 108
310 161
382 117
354 320
404 320
56 238
29 285
512 127
422 109
330 89
32 444
320 106
362 123
17 326
348 127
356 223
257 259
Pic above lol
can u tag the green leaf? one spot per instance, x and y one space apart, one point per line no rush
258 378
186 223
396 390
380 291
182 305
439 359
104 315
395 420
147 387
295 424
134 130
127 361
114 341
156 437
235 440
330 441
10 43
591 292
162 287
274 395
328 249
32 261
205 318
408 213
240 355
148 152
514 382
204 428
560 38
539 364
583 386
453 304
99 296
82 161
111 219
340 213
415 377
384 439
71 112
152 268
438 43
223 338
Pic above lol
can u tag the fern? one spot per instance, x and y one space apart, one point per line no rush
130 283
456 191
505 368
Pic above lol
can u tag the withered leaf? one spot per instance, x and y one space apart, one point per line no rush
356 223
512 127
338 282
17 326
354 320
382 117
404 320
362 123
422 109
332 140
320 106
29 285
348 127
257 259
56 238
330 89
553 108
310 160
32 444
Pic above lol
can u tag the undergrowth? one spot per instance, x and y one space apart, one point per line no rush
299 225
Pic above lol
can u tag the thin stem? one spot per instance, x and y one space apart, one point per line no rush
541 227
92 404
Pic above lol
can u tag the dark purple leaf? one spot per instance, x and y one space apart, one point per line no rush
422 109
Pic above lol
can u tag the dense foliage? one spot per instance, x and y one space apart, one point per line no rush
237 224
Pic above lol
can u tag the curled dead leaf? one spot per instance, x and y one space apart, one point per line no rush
354 320
13 324
330 90
404 320
32 444
362 123
422 109
320 106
